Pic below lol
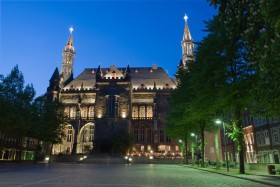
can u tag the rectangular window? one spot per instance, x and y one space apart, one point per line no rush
135 112
91 112
136 135
83 112
91 133
66 112
69 134
84 138
266 137
142 112
149 112
142 133
73 112
275 135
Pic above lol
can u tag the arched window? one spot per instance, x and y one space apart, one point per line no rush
87 133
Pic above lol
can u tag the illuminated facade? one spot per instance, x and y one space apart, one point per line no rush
102 101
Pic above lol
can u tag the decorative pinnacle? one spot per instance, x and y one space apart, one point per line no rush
186 18
71 29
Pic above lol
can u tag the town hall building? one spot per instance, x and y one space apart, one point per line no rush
102 101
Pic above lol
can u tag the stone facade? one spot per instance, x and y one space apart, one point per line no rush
103 101
100 102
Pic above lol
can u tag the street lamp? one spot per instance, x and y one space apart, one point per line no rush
218 121
192 148
184 158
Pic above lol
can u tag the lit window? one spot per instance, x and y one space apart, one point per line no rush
91 112
69 133
142 112
135 112
149 111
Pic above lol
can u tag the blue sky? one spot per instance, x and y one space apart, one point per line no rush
119 32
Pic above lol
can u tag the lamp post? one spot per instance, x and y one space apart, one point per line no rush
222 122
192 147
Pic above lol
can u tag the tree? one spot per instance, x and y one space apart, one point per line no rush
15 113
178 126
50 121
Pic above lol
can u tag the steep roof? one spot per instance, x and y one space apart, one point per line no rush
148 76
140 77
85 79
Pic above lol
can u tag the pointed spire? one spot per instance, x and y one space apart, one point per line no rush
70 44
187 44
55 75
127 69
98 72
187 34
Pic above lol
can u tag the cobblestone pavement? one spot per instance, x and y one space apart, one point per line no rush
58 174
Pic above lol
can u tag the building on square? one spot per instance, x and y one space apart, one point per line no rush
102 101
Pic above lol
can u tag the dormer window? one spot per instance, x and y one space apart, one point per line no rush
142 86
113 74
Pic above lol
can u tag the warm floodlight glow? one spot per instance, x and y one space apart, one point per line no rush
47 158
186 18
218 121
71 29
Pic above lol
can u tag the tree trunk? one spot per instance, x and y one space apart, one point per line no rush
217 149
202 129
240 142
241 156
50 153
186 151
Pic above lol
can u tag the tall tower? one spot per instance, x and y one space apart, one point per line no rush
68 55
187 44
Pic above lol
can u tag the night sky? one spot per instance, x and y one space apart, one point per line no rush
120 32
